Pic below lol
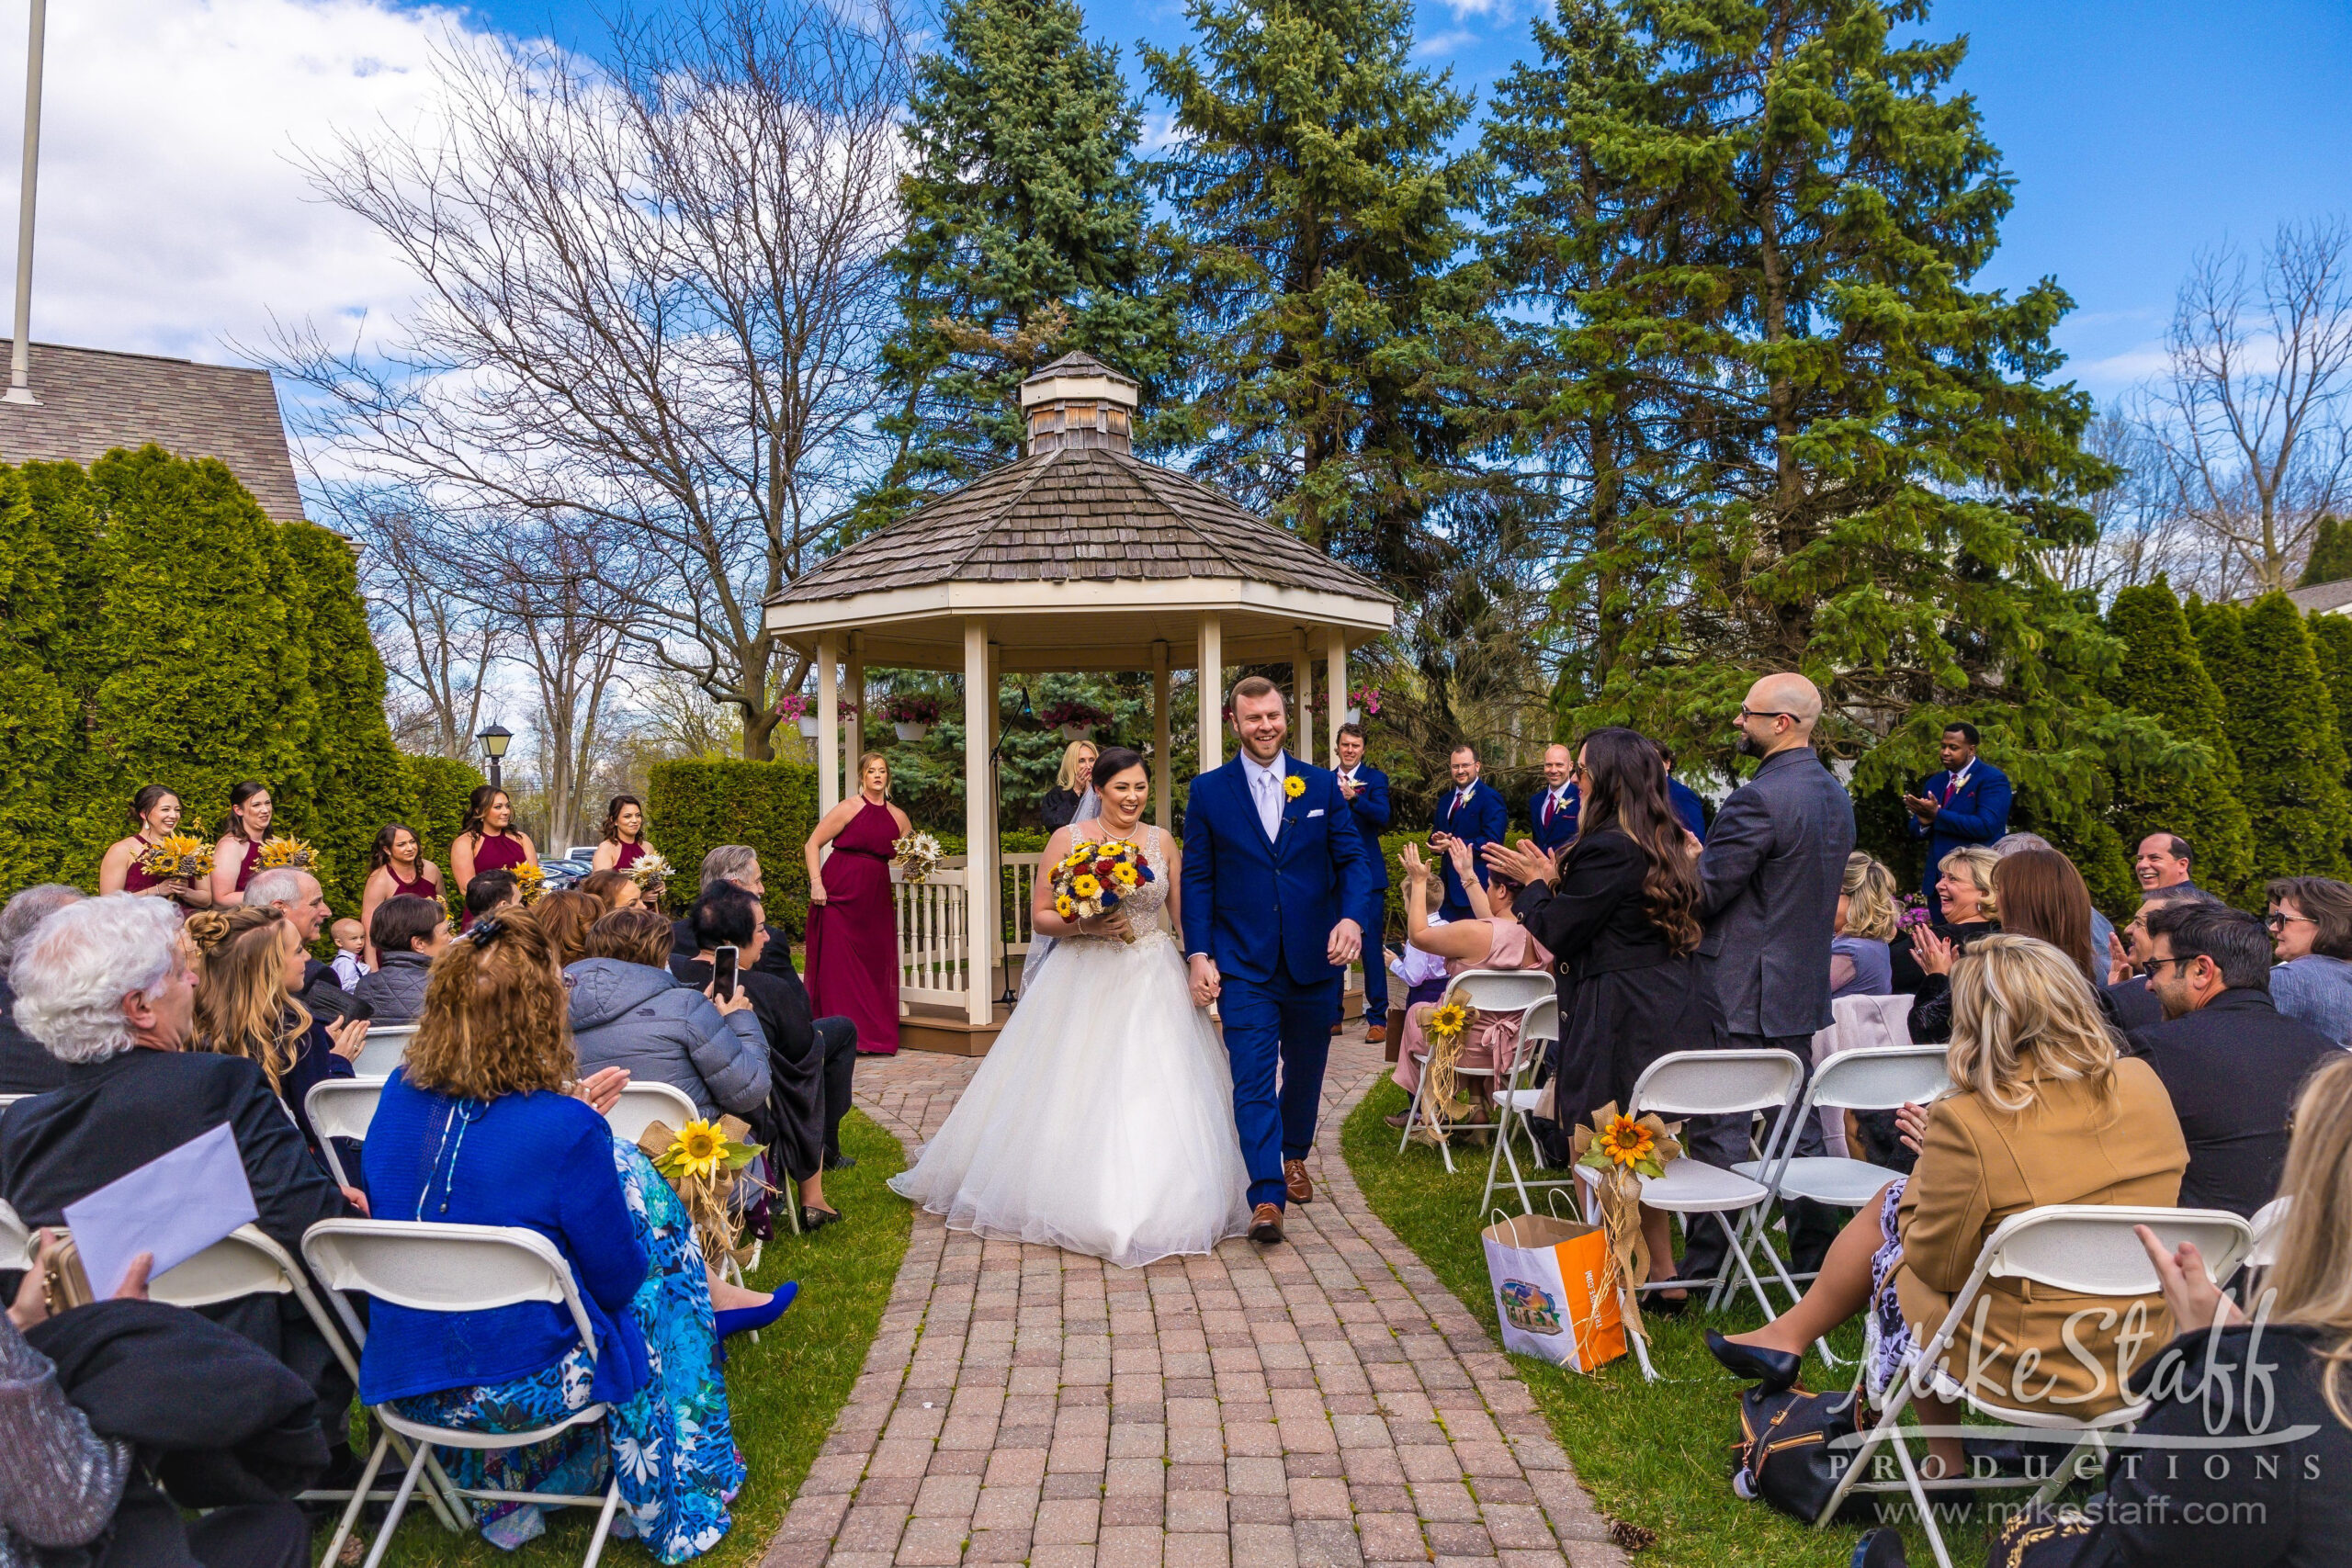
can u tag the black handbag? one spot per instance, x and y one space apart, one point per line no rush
1784 1454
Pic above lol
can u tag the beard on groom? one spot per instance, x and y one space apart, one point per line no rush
1272 861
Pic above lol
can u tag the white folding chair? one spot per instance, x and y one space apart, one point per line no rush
1515 1102
2269 1223
449 1268
1875 1079
1716 1083
246 1262
381 1051
342 1108
16 1240
1496 993
8 1099
642 1104
2084 1250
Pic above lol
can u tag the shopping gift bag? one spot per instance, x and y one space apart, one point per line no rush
1554 1291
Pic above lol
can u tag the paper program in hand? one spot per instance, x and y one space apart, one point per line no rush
174 1206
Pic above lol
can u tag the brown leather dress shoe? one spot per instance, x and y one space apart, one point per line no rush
1375 1034
1335 1029
1297 1186
1266 1224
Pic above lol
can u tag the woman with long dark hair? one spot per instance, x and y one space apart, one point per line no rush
489 841
623 841
1619 916
157 812
396 869
237 856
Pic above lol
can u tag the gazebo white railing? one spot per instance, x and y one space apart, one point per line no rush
934 927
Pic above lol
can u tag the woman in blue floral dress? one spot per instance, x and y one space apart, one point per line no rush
478 1128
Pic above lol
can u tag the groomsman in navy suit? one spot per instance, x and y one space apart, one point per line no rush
1474 812
1968 802
1367 788
1554 810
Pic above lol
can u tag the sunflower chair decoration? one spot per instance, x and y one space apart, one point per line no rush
1445 1028
706 1161
1623 1150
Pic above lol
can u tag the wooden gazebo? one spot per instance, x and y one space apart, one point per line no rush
1079 557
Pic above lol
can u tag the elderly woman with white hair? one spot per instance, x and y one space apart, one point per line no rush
108 986
25 1066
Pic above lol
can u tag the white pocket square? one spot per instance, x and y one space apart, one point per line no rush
1317 812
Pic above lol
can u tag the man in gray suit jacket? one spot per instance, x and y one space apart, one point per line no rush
1769 878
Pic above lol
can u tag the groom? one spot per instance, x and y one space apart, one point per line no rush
1271 859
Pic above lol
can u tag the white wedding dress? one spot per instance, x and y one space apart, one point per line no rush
1102 1120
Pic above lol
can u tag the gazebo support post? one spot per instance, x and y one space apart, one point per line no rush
1335 652
980 860
1163 795
1302 686
1212 689
828 732
850 783
995 826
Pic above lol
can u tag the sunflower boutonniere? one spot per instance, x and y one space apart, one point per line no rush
1293 786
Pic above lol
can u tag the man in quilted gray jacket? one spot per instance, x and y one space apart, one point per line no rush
628 1010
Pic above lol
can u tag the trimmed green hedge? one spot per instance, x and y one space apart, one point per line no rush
692 808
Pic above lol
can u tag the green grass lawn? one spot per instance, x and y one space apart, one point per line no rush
783 1393
1654 1455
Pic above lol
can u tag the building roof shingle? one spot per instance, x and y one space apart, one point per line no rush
2321 596
92 401
1078 513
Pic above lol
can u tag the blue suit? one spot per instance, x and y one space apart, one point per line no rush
1369 808
1977 813
1687 806
1263 911
1556 835
1481 821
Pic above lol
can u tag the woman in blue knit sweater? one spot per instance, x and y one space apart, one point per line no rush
483 1125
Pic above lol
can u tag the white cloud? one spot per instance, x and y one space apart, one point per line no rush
172 215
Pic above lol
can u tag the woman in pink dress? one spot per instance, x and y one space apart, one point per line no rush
238 854
1495 939
157 812
398 870
853 923
491 841
623 843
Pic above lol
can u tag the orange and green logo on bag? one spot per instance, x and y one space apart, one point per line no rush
1529 1307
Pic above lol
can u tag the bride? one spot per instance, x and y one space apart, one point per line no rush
1102 1120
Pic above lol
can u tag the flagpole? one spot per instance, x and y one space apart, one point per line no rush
20 353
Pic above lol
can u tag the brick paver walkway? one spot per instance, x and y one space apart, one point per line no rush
1325 1403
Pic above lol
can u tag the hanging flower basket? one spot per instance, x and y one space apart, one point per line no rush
809 727
1075 720
912 715
1356 716
911 732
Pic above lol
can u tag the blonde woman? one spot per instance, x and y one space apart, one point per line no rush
1965 883
1858 961
252 966
2046 1113
1069 785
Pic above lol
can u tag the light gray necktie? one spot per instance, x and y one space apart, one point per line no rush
1270 802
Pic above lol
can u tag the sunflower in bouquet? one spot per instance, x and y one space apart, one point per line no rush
1094 879
293 852
917 856
530 881
651 875
179 858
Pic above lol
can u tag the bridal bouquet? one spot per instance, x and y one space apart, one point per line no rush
294 852
650 873
179 858
530 881
1094 879
916 856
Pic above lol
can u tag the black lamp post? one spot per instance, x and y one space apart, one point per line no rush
493 745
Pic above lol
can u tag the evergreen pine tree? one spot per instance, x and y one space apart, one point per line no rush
1867 469
1321 203
441 786
2163 677
36 707
358 779
2282 725
1025 239
2331 557
2331 647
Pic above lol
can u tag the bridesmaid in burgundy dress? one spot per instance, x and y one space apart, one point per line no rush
238 854
491 841
157 812
397 869
623 843
852 926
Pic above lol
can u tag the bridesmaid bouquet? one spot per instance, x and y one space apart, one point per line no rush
1094 879
179 858
294 852
530 881
917 856
651 874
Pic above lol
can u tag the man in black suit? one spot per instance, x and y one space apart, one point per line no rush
1769 878
2135 1005
2230 1061
1366 789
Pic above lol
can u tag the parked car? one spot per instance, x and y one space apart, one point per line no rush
563 873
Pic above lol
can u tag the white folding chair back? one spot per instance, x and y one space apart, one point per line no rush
1881 1078
342 1108
1718 1083
1496 993
16 1240
2269 1223
642 1104
8 1099
452 1269
1514 1102
1542 1025
381 1051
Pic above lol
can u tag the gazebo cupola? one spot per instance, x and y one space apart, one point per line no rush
1080 556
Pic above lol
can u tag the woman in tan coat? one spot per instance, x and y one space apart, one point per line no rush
2045 1113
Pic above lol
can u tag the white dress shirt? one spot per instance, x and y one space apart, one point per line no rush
1265 791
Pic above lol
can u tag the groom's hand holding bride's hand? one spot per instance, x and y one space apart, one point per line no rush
1205 980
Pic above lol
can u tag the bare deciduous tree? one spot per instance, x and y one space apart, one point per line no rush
652 295
440 646
565 604
2251 424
